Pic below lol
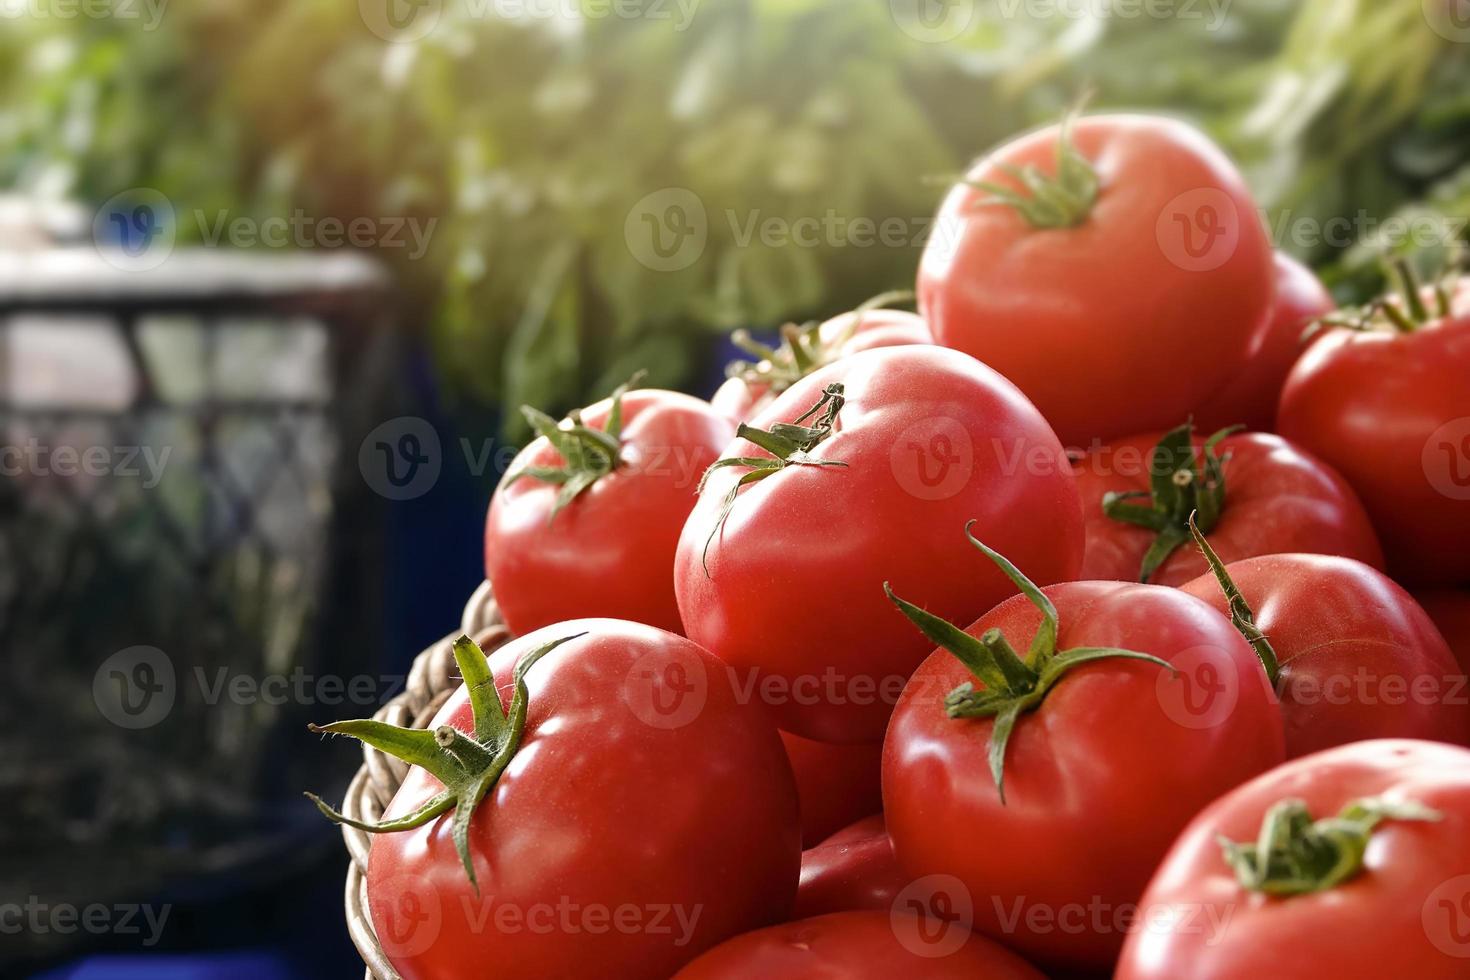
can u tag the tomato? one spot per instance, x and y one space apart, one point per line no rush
1097 763
1136 283
1256 494
852 869
632 824
1250 398
859 944
1450 610
1388 407
836 784
1356 657
1384 889
752 387
783 580
593 538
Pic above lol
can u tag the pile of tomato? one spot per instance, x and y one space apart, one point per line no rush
1108 616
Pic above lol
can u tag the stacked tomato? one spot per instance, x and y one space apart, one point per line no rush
1063 623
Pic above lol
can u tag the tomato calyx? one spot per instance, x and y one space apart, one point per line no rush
1183 482
587 454
802 350
467 766
1406 311
1061 201
789 443
1012 684
1295 855
1242 617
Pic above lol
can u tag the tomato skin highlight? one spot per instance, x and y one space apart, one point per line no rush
793 599
1359 658
853 944
1277 499
1401 916
851 870
1110 327
837 784
1099 778
609 552
597 812
1391 412
1250 398
739 401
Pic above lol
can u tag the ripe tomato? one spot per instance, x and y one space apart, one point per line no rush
789 591
1450 610
852 869
1103 760
1382 892
1388 407
594 844
1356 656
1136 283
1250 398
837 784
1256 494
579 528
752 387
859 944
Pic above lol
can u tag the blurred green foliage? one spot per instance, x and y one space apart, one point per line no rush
531 139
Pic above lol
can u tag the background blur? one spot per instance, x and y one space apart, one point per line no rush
274 273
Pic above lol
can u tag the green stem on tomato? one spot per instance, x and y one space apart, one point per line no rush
1241 614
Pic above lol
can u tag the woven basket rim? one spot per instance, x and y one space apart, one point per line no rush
431 680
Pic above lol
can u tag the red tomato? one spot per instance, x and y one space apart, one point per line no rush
1122 311
859 944
853 869
1358 658
1401 909
1389 409
1102 768
791 596
837 784
1250 398
596 844
608 551
755 386
1450 611
1270 497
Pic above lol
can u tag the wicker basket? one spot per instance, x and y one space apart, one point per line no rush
430 682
